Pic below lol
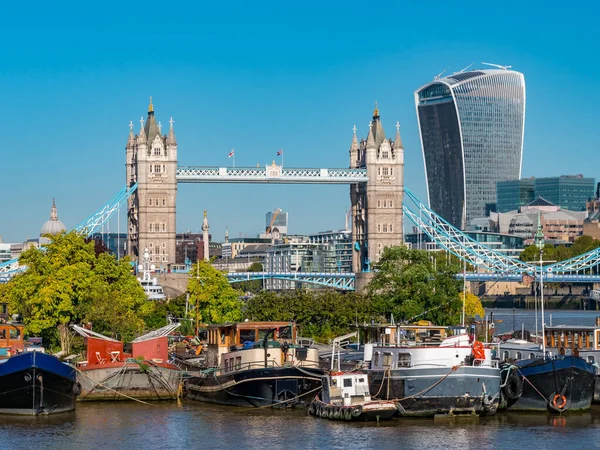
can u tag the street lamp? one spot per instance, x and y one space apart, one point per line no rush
539 242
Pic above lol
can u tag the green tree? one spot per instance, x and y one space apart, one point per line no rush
414 284
473 306
68 283
211 296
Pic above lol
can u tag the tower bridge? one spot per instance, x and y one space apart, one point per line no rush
376 180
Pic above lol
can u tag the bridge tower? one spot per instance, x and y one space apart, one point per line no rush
377 218
151 162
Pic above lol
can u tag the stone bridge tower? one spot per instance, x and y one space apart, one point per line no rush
151 162
377 218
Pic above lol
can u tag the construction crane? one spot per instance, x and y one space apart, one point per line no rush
273 217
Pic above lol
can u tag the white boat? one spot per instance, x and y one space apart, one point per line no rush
455 375
153 290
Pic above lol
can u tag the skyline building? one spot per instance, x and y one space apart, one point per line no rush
471 126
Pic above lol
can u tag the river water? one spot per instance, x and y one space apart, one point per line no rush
195 425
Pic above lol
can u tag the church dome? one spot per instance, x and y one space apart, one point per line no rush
53 226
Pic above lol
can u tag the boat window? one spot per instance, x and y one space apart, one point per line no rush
347 382
387 359
532 356
361 380
226 365
403 359
518 355
262 333
2 333
238 362
376 359
505 355
14 333
285 332
247 335
590 359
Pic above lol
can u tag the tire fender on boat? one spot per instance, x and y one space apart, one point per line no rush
76 389
347 414
356 411
336 412
513 387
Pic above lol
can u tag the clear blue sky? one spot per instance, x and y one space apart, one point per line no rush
259 76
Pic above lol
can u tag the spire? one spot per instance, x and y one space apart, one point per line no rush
376 111
171 135
53 211
398 140
142 136
152 130
370 137
131 138
378 132
354 145
226 234
205 226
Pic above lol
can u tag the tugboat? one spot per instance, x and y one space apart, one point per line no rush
256 364
346 396
144 373
433 375
32 382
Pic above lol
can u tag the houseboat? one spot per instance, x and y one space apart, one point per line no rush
143 372
256 364
32 382
566 374
427 373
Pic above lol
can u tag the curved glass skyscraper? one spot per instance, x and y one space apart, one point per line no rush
471 126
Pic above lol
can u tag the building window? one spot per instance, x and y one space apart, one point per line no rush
379 203
384 228
391 171
379 228
149 202
391 203
385 154
151 245
164 227
390 228
164 244
379 171
384 171
164 201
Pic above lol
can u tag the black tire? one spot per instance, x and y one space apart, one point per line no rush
76 389
336 412
356 411
513 388
347 414
323 411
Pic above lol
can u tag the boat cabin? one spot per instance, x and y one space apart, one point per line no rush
420 333
11 338
346 389
250 345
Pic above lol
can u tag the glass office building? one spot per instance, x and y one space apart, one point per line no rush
567 191
512 194
471 126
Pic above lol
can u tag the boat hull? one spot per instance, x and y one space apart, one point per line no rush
370 411
276 387
128 381
544 379
34 383
425 392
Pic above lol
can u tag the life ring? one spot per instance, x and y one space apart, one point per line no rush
559 402
478 350
356 411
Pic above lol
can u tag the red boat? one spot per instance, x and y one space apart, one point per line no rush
143 373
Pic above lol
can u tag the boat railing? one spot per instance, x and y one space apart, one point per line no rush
248 365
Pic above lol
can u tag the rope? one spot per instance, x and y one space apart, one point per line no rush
111 389
432 386
531 384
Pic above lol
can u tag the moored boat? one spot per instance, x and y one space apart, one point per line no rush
32 382
256 364
346 396
110 373
456 376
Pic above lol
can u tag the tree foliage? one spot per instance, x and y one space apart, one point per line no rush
68 282
211 295
473 306
582 244
415 284
318 314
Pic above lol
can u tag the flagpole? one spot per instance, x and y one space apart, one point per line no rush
282 158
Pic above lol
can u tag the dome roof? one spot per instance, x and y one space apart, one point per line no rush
53 226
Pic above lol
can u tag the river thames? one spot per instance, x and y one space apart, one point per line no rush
168 425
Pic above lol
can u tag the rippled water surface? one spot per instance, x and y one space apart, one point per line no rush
199 425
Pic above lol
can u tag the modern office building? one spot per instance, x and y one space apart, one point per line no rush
567 191
277 222
471 126
512 194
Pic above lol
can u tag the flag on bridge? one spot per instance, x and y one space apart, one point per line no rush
280 152
231 153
